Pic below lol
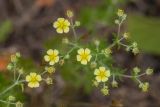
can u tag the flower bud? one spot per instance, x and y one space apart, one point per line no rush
11 98
149 71
93 64
69 13
49 81
144 86
96 42
61 62
95 83
114 84
120 12
77 23
50 70
65 41
105 90
136 70
19 104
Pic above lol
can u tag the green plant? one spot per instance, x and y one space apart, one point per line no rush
92 61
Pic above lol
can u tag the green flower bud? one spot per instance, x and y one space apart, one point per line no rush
65 41
69 13
19 104
93 64
144 86
105 90
11 98
50 70
149 71
77 23
10 66
95 83
136 70
49 81
114 84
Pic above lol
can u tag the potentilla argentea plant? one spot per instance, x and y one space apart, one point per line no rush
104 76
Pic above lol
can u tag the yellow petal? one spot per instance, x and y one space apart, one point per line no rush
50 52
66 29
79 58
89 57
36 84
107 73
55 52
87 51
98 78
60 19
56 24
31 84
81 51
56 59
46 58
28 78
59 30
51 63
67 23
84 62
32 74
102 68
96 72
104 79
38 78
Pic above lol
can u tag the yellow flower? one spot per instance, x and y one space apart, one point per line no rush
102 74
84 56
33 80
52 56
62 25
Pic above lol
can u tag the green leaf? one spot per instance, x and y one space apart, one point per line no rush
146 32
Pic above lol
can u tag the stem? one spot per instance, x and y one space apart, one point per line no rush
74 32
12 86
2 101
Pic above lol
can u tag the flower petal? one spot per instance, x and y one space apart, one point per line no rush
98 78
84 62
87 51
66 29
46 58
33 74
39 78
56 24
102 68
55 52
50 52
67 23
81 51
61 19
59 30
104 79
79 58
51 63
28 78
96 72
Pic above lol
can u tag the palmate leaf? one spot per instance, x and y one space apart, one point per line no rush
146 32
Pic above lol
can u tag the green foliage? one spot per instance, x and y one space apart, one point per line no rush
145 31
5 29
102 14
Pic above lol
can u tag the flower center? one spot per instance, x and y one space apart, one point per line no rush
52 57
102 74
34 79
62 25
84 56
